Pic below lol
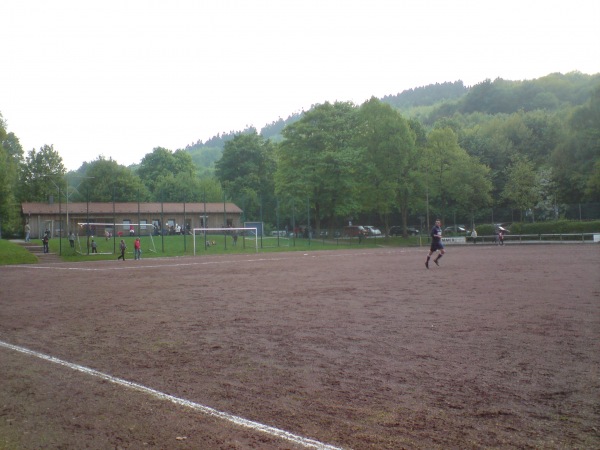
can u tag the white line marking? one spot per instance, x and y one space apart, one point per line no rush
276 432
119 266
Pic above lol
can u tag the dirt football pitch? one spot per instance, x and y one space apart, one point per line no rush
499 347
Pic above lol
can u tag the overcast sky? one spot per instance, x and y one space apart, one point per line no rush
119 78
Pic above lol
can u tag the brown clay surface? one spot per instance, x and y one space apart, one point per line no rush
497 348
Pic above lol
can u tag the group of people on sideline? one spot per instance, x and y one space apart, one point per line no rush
137 249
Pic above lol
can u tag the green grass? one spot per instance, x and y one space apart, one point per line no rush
173 246
11 253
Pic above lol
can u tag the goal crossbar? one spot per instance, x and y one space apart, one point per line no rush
241 232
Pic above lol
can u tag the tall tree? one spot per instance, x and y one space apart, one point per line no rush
318 163
11 155
162 163
246 171
105 180
43 174
182 187
520 191
459 183
388 156
575 158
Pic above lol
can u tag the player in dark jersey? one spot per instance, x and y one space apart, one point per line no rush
436 243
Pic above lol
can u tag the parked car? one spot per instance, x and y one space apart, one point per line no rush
457 229
502 227
372 231
355 231
398 230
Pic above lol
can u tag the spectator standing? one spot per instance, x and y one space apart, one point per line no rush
45 240
72 240
501 236
474 236
137 249
122 247
27 232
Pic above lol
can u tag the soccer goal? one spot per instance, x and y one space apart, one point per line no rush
207 236
101 233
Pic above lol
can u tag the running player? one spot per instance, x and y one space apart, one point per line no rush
436 243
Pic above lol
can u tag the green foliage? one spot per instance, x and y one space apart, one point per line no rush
520 190
555 227
426 95
10 161
459 182
162 164
246 171
318 162
388 156
42 175
576 158
11 253
105 181
507 97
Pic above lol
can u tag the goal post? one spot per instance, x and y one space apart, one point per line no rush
243 233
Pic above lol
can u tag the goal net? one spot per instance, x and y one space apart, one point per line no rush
207 237
103 235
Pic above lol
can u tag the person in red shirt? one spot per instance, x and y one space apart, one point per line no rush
137 249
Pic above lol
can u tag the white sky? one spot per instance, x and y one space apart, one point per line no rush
120 77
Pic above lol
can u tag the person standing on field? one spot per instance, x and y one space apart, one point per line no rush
45 242
501 236
137 249
436 243
27 232
122 247
474 236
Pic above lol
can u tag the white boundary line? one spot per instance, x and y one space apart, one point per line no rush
173 261
240 421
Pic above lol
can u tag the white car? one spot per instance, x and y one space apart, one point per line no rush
376 232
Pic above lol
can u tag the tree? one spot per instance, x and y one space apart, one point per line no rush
520 190
574 159
11 155
106 181
388 151
592 189
441 151
246 171
162 163
318 162
546 206
459 182
182 187
43 175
